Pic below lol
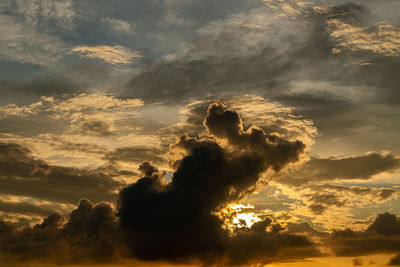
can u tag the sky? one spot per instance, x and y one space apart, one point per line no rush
199 133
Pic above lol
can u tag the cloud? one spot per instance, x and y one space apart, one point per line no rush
99 128
227 165
290 60
110 54
357 262
271 116
322 197
228 161
119 25
385 39
395 261
40 85
357 167
23 175
23 43
89 236
96 101
29 207
28 34
382 236
43 13
137 154
24 111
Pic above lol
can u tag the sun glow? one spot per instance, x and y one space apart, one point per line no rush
237 216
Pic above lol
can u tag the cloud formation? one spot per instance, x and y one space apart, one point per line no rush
227 165
382 236
23 175
328 169
90 235
111 54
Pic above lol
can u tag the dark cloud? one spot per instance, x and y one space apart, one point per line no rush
358 167
72 146
357 262
99 128
321 106
137 154
303 228
184 79
329 199
28 208
178 220
387 224
327 196
38 85
381 193
317 209
90 235
23 175
382 236
320 202
395 261
175 221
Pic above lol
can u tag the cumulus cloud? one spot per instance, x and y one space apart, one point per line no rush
271 116
111 54
90 235
227 165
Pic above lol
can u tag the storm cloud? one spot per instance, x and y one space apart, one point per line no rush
179 220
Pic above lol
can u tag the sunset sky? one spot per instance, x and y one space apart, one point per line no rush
199 133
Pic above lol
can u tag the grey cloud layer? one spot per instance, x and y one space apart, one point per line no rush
23 175
293 61
328 169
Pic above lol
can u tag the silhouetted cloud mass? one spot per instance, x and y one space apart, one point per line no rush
382 236
179 220
175 221
90 235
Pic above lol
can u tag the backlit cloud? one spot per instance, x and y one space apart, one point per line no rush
110 54
383 39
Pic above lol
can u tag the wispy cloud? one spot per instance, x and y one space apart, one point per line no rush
111 54
119 25
383 39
